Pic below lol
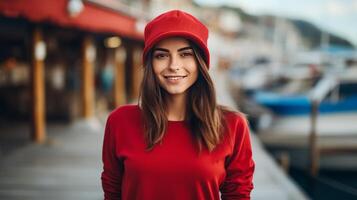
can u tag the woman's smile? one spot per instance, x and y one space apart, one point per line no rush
174 79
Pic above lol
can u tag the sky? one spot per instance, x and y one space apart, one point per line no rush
336 16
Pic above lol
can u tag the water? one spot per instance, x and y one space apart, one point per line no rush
329 184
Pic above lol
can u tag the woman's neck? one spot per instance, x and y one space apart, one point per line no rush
176 107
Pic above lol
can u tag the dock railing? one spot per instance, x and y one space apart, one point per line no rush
321 91
327 87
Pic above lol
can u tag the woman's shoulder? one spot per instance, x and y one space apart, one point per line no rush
126 111
232 115
236 125
234 119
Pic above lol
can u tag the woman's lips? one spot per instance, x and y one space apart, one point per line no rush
174 79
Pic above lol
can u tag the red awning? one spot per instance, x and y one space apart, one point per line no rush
92 18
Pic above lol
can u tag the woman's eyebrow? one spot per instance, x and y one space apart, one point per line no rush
184 48
161 49
166 50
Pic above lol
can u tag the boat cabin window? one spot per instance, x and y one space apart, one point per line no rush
342 91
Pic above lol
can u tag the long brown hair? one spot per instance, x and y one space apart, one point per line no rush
204 116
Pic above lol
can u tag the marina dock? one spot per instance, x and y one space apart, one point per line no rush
68 166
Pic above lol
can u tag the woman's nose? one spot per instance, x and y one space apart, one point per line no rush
175 62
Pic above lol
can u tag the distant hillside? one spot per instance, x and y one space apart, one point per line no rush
313 34
310 33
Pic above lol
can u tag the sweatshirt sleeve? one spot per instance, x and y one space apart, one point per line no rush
239 166
112 166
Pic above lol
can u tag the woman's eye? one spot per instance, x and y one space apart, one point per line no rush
186 54
160 56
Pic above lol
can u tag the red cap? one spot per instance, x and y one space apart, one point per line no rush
176 23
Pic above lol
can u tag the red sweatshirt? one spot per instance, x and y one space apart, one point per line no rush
174 170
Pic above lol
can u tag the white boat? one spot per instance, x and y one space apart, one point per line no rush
336 126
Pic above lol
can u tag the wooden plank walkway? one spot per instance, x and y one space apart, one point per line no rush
67 167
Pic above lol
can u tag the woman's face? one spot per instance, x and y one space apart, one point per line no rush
174 65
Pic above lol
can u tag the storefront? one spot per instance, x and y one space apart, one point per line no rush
61 59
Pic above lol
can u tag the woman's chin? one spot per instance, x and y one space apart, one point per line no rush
176 91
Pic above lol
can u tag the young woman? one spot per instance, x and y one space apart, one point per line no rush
177 143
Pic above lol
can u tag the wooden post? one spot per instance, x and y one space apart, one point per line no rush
119 77
88 57
314 149
137 74
284 160
38 87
